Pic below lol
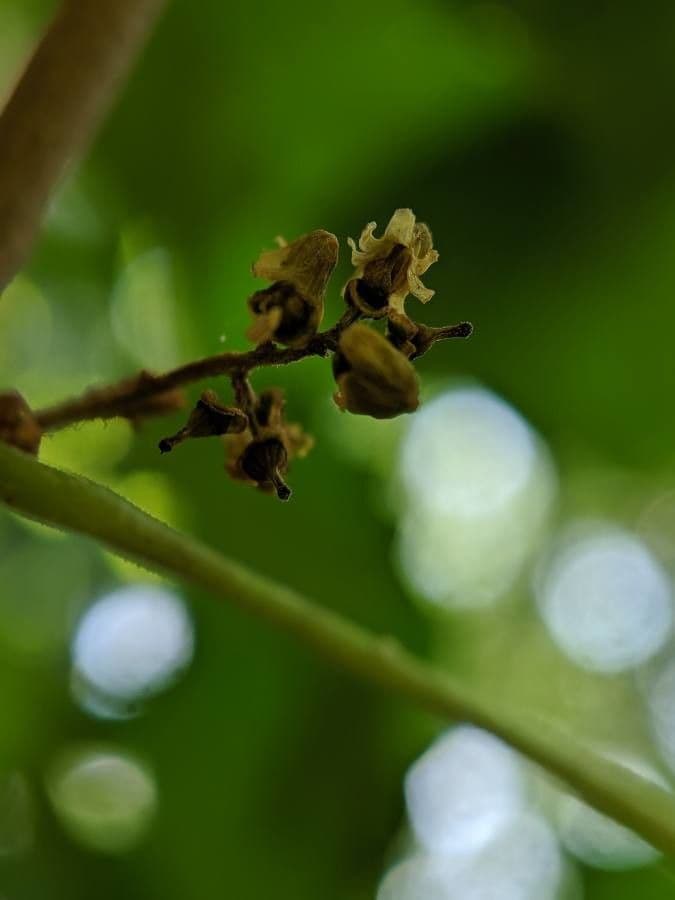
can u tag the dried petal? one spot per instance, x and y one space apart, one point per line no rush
306 262
382 278
402 231
297 442
291 310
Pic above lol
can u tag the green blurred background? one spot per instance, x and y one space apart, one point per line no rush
536 140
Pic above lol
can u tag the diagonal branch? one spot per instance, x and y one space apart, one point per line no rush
74 503
114 400
129 395
71 80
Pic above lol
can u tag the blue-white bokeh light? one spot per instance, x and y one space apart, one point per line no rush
605 599
128 646
523 863
465 789
477 487
104 798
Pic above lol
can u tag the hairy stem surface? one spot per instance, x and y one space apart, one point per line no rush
125 397
116 399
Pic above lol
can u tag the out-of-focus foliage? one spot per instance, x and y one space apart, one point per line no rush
536 141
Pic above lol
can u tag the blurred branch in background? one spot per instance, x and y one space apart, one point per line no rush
71 502
56 107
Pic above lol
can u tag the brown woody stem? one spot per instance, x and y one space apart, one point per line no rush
118 399
68 86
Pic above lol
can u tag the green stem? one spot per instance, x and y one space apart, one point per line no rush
74 503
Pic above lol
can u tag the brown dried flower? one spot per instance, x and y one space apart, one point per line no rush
388 268
373 377
373 370
291 309
207 419
260 455
18 425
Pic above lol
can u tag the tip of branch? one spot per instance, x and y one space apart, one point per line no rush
282 489
461 330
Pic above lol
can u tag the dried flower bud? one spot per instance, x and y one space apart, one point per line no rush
427 336
414 339
18 425
383 278
388 268
374 378
261 454
264 462
208 418
290 311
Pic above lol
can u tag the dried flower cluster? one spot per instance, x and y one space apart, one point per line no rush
373 371
372 368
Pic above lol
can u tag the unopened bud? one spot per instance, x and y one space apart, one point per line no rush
374 378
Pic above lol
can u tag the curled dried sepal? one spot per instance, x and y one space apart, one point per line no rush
297 442
18 425
261 454
413 339
390 266
208 419
373 377
291 309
